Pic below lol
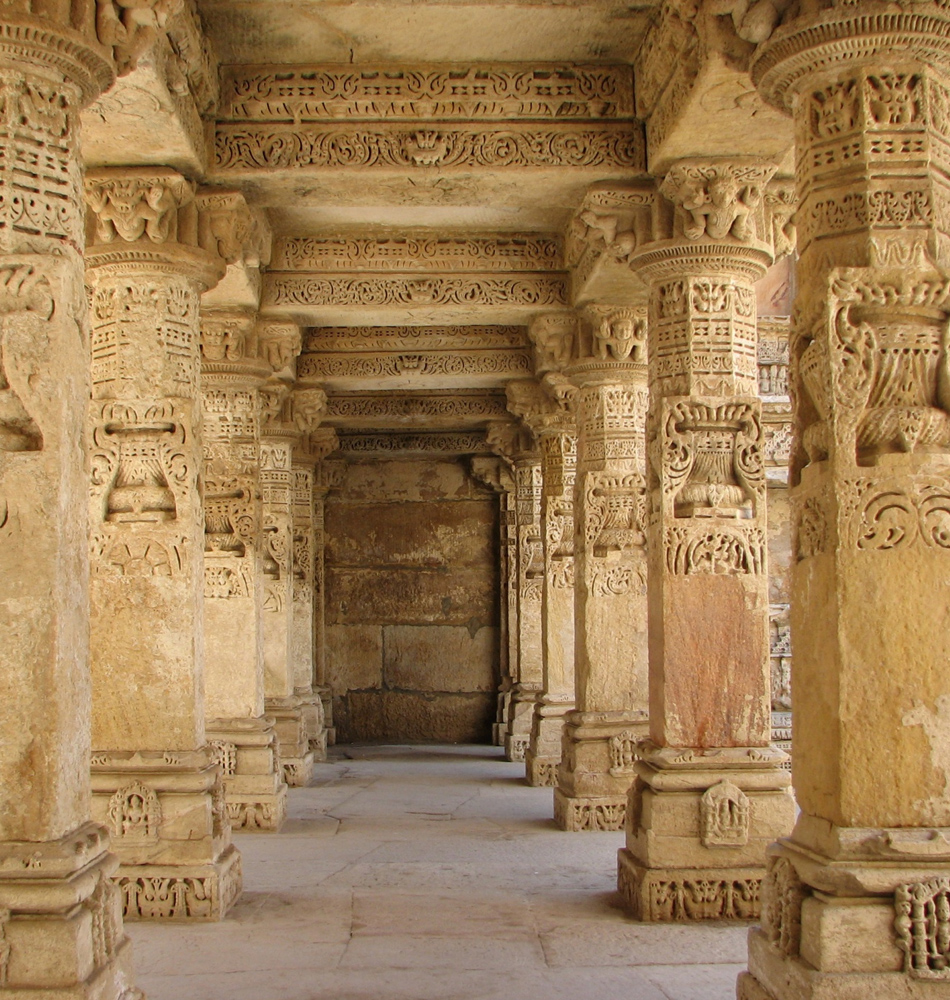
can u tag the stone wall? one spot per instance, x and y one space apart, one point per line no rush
411 602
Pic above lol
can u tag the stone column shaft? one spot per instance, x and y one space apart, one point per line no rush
610 661
60 920
710 792
857 898
154 777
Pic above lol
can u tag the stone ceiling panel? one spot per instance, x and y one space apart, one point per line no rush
298 31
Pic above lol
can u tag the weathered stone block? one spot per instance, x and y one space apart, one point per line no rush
354 657
390 715
391 595
440 658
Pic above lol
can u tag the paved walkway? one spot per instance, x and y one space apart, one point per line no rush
431 873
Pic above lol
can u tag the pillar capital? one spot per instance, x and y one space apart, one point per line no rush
143 220
712 217
546 412
229 348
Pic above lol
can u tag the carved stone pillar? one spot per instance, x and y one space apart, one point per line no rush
60 924
243 739
327 475
308 585
154 777
607 366
552 422
710 792
524 565
856 901
285 416
529 563
494 473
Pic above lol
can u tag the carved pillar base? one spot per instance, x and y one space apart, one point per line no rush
853 914
296 757
326 697
698 827
254 788
312 720
596 769
544 744
520 713
60 930
167 816
500 727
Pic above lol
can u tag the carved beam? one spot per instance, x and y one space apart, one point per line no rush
611 222
380 299
455 92
445 444
444 410
168 83
421 358
692 69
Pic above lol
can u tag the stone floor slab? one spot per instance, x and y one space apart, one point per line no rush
431 873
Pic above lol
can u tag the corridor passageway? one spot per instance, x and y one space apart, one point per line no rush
418 872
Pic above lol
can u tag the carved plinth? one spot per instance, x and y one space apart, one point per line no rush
598 753
326 698
295 755
312 720
254 788
60 925
697 829
520 713
543 755
678 894
167 816
852 913
500 726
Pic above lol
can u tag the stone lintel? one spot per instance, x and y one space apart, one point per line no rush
693 70
322 298
420 252
448 409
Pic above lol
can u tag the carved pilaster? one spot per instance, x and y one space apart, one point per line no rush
328 474
516 444
551 420
607 370
289 416
245 742
307 567
858 891
708 582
